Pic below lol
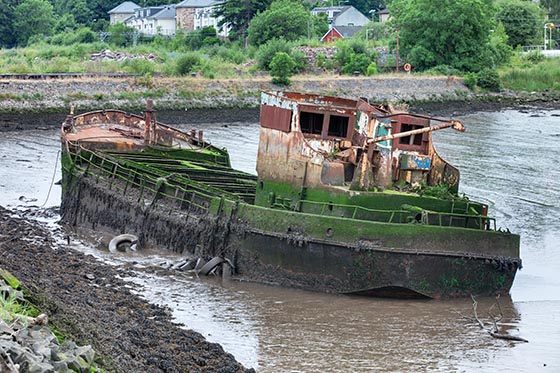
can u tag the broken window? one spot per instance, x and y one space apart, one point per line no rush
412 139
311 122
338 126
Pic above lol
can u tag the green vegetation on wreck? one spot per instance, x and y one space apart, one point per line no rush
270 194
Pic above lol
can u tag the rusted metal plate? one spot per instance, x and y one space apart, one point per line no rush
276 118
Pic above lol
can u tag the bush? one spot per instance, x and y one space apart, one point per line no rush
534 57
444 70
356 63
268 51
281 68
372 69
489 79
186 63
139 66
470 80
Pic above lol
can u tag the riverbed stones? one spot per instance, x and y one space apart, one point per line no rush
36 349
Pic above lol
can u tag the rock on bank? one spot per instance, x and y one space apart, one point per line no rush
86 301
57 95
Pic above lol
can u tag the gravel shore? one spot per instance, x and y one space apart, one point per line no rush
88 302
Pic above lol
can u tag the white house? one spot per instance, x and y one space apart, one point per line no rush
153 20
122 12
188 15
342 15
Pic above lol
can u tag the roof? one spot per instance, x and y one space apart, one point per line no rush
165 13
347 31
327 8
384 11
126 7
199 3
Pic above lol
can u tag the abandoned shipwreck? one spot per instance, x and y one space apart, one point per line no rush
350 198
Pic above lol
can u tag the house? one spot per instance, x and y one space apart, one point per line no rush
383 15
153 20
339 32
342 15
121 12
196 14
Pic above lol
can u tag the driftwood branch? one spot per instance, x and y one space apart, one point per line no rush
494 332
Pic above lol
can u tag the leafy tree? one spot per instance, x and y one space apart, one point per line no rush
552 8
500 50
521 19
364 6
209 35
7 36
353 56
282 68
445 32
79 9
100 8
121 35
285 18
33 17
65 23
238 14
266 53
319 25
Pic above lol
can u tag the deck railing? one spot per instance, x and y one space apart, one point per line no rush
404 215
123 173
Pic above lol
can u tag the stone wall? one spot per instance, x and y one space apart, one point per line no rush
185 18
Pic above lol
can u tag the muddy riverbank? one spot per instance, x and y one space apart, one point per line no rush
89 302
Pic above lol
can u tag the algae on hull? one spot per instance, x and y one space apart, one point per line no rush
315 217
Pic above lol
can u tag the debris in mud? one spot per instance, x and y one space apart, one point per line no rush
88 301
494 331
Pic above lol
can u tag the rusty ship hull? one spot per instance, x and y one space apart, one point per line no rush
295 224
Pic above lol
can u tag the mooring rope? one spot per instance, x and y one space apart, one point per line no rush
52 180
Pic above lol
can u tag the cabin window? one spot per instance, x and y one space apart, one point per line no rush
311 122
338 126
412 139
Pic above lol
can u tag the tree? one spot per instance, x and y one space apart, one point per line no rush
282 68
121 35
286 19
319 25
33 17
552 8
77 8
522 20
238 14
100 8
364 6
7 36
445 32
65 23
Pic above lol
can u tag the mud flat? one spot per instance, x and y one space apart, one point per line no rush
90 303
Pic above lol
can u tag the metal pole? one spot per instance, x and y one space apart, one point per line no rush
397 53
545 36
454 123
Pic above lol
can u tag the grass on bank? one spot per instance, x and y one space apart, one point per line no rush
524 72
541 76
43 58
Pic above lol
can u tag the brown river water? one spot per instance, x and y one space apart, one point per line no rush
508 159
